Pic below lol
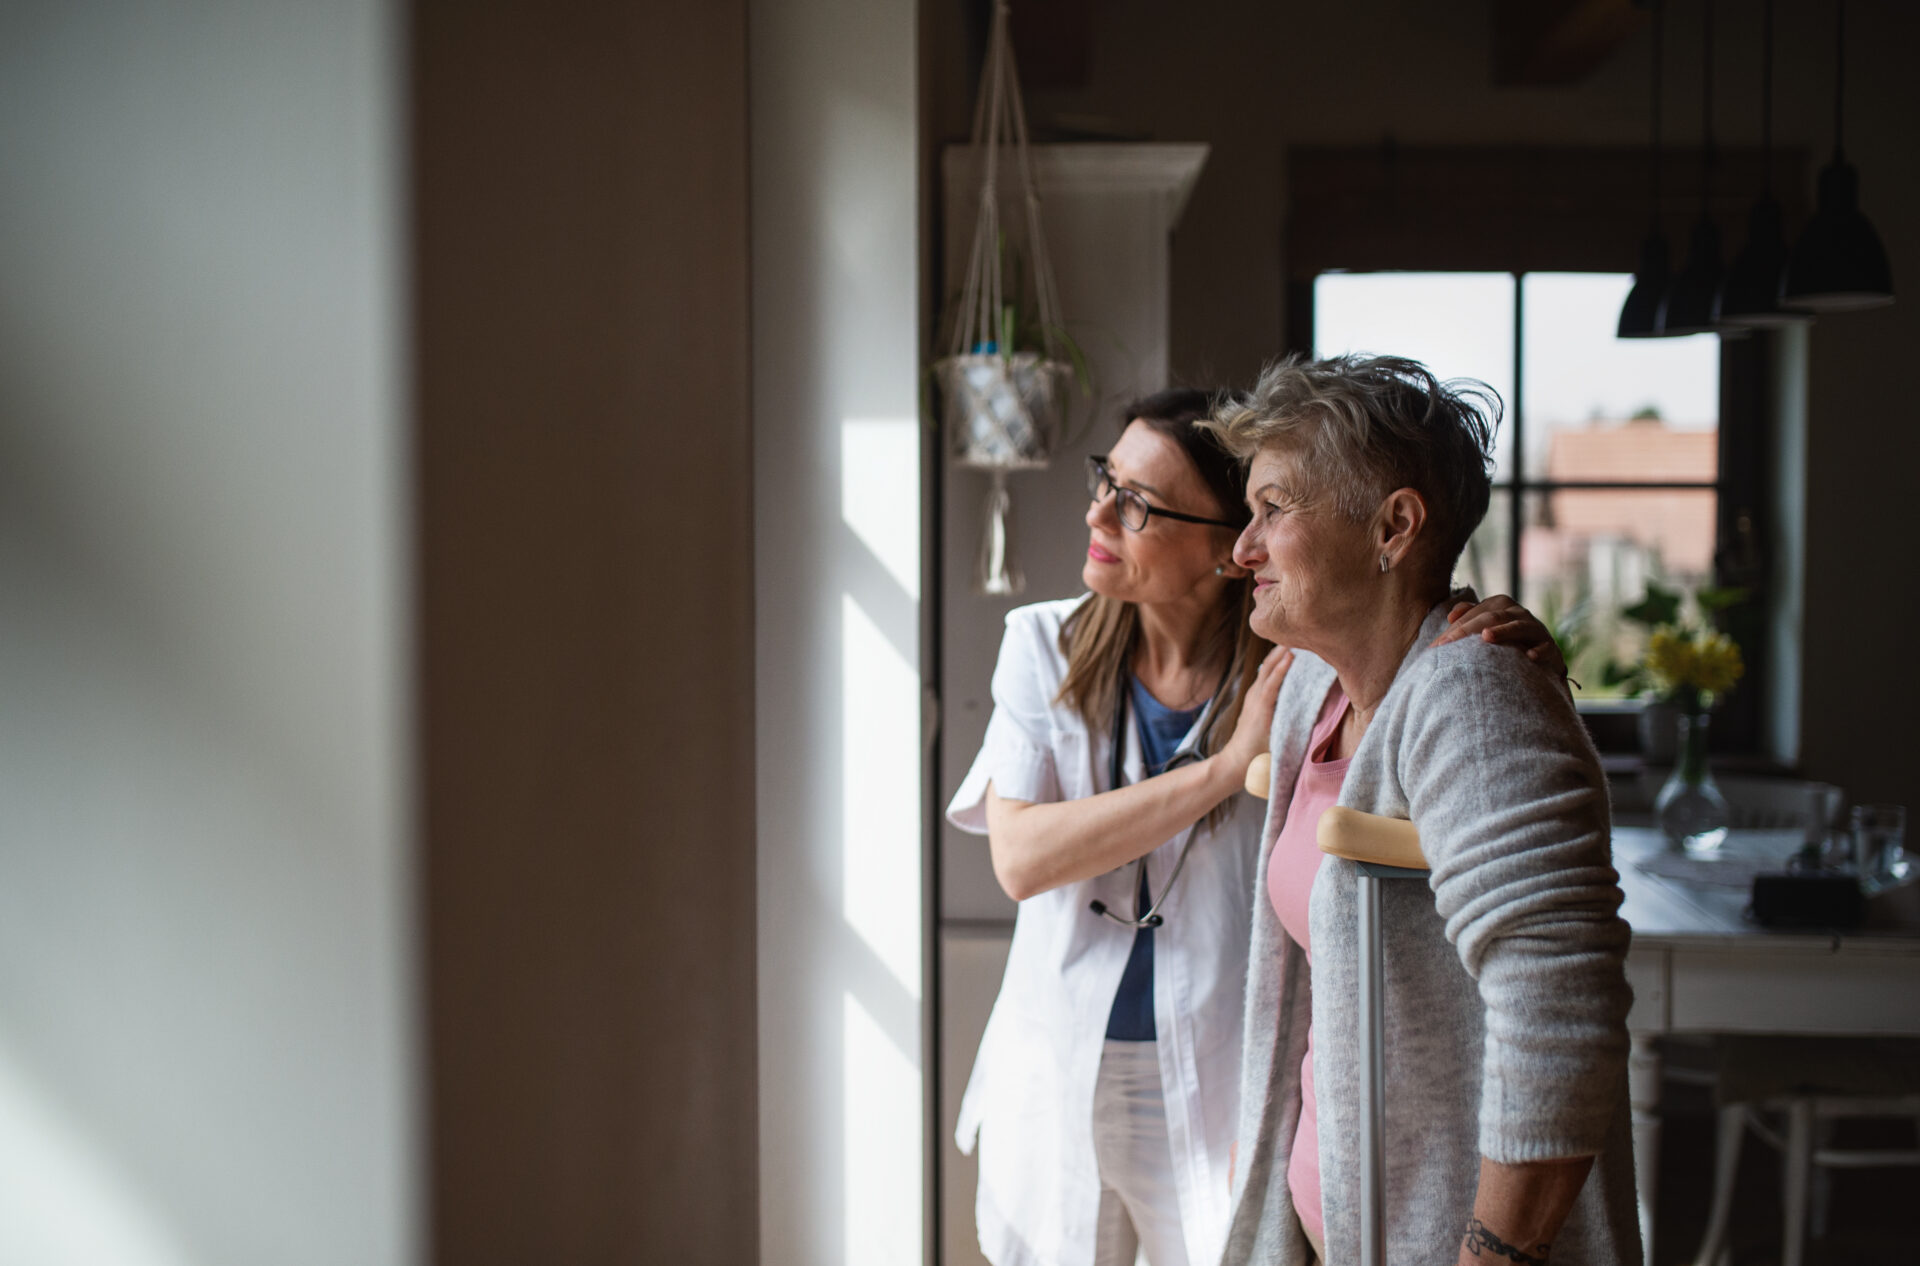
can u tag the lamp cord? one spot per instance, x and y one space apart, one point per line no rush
1840 80
1766 101
1707 153
1653 147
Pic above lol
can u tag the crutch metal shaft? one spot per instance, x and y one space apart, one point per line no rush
1373 1107
1381 849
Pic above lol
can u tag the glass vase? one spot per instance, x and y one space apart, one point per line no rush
1690 809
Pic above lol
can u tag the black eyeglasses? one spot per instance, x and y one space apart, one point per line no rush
1133 508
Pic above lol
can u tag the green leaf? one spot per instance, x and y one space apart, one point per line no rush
1660 606
1630 676
1082 372
1569 628
1721 599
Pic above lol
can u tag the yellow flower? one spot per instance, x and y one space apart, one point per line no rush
1670 658
1705 662
1717 664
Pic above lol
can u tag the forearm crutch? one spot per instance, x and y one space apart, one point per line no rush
1381 848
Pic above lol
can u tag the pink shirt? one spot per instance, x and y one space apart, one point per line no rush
1290 874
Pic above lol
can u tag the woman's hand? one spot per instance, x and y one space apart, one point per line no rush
1254 730
1501 619
1039 847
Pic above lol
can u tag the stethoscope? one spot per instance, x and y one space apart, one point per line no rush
1116 773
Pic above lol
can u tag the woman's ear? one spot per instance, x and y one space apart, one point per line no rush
1402 519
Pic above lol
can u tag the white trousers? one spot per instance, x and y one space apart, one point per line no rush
1139 1208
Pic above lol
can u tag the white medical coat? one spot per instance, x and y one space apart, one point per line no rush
1029 1102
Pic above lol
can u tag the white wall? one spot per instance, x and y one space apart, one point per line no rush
837 561
204 1053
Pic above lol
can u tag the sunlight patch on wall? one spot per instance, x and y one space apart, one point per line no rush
61 1203
882 1134
880 795
880 493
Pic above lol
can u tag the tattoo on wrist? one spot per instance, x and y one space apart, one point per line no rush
1484 1243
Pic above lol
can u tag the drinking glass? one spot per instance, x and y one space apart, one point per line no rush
1879 842
1828 843
1835 851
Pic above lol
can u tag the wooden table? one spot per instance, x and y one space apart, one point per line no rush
1698 966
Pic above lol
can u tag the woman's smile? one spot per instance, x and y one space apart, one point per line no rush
1099 555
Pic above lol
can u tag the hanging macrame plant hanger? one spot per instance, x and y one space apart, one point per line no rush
1004 406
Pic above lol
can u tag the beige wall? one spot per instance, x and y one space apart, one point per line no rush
205 928
585 666
1254 79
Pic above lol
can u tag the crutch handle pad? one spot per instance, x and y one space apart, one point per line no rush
1260 776
1367 837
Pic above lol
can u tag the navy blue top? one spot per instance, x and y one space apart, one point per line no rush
1161 729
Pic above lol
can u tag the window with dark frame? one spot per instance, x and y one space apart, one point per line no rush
1608 460
1518 216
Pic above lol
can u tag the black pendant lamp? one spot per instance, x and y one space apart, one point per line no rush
1693 300
1640 314
1839 265
1750 297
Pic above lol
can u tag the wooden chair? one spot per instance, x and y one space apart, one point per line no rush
1809 1083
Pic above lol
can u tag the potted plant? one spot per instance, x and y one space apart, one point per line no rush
1005 377
1688 667
1005 395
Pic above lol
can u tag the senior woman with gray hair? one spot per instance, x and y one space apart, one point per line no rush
1507 1128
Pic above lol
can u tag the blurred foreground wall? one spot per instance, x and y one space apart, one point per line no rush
204 897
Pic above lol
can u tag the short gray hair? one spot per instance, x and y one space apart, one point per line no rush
1366 425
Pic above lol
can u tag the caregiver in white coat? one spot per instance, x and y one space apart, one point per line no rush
1104 1096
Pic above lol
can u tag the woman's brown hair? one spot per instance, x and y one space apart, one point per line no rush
1100 637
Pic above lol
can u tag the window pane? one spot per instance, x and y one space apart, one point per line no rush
1601 407
1586 554
1485 564
1460 325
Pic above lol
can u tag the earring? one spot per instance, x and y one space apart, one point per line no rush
1221 570
1383 564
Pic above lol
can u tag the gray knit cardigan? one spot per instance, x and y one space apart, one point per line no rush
1506 992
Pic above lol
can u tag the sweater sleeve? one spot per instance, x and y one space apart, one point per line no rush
1512 808
1016 755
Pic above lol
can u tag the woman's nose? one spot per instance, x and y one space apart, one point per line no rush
1100 510
1246 549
